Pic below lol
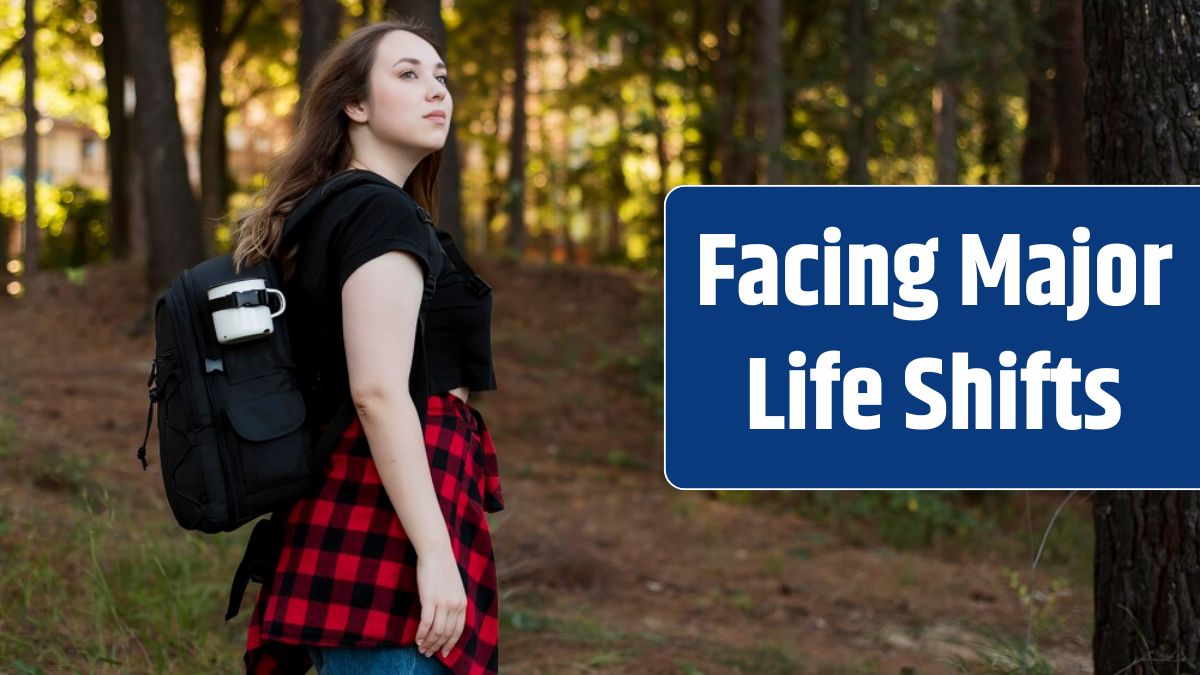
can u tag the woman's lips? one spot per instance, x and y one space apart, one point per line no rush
436 116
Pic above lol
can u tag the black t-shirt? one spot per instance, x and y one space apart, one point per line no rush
345 231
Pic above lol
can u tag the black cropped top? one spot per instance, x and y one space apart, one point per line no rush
458 330
354 226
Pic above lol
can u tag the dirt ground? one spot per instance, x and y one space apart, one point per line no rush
604 567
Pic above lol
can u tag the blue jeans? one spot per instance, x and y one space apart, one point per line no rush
368 661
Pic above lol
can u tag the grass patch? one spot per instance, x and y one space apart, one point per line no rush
645 361
1000 655
766 659
946 521
95 587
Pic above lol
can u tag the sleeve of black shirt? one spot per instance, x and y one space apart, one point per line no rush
378 219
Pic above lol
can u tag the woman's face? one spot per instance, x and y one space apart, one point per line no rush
409 104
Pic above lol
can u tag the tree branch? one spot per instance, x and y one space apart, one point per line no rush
12 50
240 23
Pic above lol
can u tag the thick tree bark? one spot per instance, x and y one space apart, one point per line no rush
1038 150
856 87
1068 92
1141 124
170 205
517 234
30 241
319 20
1143 91
770 94
945 96
1147 582
117 148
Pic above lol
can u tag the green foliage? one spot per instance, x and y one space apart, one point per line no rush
72 219
645 361
902 519
1039 604
907 518
70 70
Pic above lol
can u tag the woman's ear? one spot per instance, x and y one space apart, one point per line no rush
356 111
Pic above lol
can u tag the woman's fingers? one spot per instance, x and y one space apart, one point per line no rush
425 630
439 630
459 623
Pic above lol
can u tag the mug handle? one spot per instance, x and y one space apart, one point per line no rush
282 301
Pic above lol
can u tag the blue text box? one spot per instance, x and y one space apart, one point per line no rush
709 442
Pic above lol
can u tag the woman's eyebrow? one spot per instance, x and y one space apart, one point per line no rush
416 62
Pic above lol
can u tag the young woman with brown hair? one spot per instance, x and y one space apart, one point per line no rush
388 565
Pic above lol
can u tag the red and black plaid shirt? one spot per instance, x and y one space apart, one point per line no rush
347 573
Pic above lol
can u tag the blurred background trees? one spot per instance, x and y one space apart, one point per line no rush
573 120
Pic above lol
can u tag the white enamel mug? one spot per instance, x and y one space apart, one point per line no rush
239 324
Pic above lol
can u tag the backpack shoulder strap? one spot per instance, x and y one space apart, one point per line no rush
474 281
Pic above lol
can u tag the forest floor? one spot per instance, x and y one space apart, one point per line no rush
604 567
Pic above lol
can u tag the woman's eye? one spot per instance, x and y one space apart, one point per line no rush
407 73
443 79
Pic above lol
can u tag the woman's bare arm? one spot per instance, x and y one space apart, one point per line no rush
380 300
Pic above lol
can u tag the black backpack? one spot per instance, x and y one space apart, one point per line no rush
235 441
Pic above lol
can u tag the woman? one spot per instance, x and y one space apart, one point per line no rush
388 565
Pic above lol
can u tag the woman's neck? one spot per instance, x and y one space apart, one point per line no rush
390 165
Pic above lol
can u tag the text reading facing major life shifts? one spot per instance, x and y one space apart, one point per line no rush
925 337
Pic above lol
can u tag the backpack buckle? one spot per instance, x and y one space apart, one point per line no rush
478 286
254 298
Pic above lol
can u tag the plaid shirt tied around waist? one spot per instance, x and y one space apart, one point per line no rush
346 575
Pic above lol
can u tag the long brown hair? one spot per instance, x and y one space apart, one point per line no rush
321 146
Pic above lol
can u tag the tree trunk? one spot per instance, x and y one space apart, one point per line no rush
517 235
170 205
139 220
319 21
659 106
212 123
745 169
1037 152
856 87
618 188
1143 92
725 93
1147 576
770 94
945 96
991 113
1068 92
1142 127
117 147
700 78
30 241
214 156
